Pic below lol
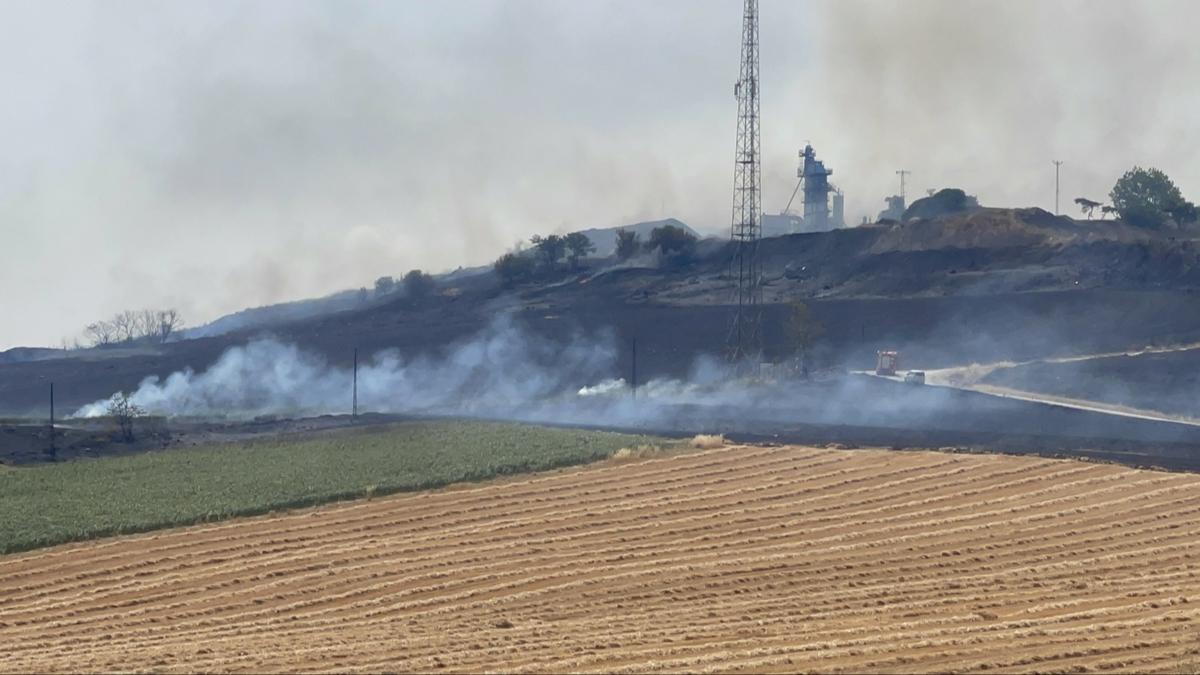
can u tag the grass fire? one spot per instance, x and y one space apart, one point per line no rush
409 337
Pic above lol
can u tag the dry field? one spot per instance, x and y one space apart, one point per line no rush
743 558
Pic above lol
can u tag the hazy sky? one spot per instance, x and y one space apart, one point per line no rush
216 155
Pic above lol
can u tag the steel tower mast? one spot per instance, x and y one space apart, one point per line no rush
745 336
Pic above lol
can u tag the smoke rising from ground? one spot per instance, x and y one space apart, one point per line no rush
498 372
507 372
503 372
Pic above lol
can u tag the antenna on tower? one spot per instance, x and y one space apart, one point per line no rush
902 173
745 337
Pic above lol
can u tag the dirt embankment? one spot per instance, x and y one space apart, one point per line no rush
778 559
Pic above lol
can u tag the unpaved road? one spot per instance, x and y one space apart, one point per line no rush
745 558
971 378
1080 404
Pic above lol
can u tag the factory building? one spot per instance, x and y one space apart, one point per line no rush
823 206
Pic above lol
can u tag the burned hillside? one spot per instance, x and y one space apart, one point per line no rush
976 286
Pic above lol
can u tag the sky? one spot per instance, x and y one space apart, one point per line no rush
221 155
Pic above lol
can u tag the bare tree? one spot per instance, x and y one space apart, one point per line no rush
1087 206
157 325
169 323
145 324
124 412
125 326
100 333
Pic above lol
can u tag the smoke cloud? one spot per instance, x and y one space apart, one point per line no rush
983 95
500 372
507 372
503 372
277 150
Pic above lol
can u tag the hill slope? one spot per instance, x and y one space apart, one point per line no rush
987 285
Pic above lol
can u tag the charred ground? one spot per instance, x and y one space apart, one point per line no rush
983 286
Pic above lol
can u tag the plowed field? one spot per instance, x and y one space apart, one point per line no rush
745 558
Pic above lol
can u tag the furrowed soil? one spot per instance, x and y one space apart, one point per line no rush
737 559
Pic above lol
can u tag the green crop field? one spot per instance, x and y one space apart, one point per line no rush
88 498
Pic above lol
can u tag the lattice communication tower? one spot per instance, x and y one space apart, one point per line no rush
745 336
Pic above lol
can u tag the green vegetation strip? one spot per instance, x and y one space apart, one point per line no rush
89 498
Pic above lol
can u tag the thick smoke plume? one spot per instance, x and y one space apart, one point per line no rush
503 372
499 372
507 372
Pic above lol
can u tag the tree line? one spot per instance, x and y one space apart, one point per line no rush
675 246
416 284
1145 198
147 325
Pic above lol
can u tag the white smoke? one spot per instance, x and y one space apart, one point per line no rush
605 388
506 372
498 372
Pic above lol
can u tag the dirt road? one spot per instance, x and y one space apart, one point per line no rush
972 378
745 558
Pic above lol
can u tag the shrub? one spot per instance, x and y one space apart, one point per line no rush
578 245
124 412
418 285
627 243
675 245
549 249
1147 198
384 285
513 268
708 441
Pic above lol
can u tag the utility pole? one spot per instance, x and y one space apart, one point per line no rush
1057 164
633 375
745 338
354 414
53 447
902 173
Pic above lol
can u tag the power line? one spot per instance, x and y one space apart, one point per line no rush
53 446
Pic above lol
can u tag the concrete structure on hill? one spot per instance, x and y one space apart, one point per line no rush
816 191
824 203
895 208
